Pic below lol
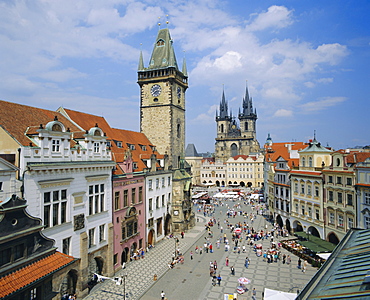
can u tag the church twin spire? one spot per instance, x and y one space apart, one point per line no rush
247 106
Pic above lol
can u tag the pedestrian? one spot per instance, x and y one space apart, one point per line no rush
247 261
215 265
227 261
254 294
214 280
191 255
163 295
304 266
200 250
211 248
182 234
288 260
284 258
299 263
196 249
232 270
219 279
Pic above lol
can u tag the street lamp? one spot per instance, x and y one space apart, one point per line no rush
123 276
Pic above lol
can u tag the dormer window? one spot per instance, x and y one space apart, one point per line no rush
97 132
96 147
160 43
119 144
134 165
143 147
55 145
131 146
56 127
108 143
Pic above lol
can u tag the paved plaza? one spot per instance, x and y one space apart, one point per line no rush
191 280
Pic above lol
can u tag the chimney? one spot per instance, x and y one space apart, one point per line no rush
153 163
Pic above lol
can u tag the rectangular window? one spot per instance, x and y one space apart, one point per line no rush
91 237
163 201
33 294
367 198
309 190
316 191
349 181
302 209
317 212
55 145
302 188
150 184
140 194
123 233
125 198
55 214
340 198
169 181
96 147
102 233
18 251
296 208
115 258
133 195
296 187
163 181
5 256
340 220
349 199
331 218
150 204
331 196
157 202
157 183
66 245
96 198
330 180
63 212
367 222
309 212
350 223
116 200
339 180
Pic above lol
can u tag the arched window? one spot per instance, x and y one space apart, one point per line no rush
303 161
310 162
246 126
222 128
234 150
178 130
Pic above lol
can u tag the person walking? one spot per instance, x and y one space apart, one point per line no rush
304 266
284 258
227 261
288 260
299 263
191 255
254 294
247 261
219 279
163 295
232 270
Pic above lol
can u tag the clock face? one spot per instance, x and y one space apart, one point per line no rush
156 90
178 92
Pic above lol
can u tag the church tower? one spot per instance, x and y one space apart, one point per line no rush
233 138
248 118
162 99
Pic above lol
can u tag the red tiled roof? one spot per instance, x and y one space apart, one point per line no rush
138 139
17 119
29 274
356 157
280 150
312 173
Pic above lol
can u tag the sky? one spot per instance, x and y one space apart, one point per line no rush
306 63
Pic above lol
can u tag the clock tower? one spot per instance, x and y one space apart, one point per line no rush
162 99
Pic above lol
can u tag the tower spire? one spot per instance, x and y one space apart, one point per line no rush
141 62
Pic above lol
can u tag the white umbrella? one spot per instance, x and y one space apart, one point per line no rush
243 280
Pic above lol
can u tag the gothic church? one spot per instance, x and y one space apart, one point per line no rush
233 138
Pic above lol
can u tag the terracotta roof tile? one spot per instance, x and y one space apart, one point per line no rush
138 139
11 113
30 273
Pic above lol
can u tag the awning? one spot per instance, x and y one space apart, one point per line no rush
314 243
278 295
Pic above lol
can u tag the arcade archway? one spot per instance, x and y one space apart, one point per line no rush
332 237
313 231
297 226
279 220
288 227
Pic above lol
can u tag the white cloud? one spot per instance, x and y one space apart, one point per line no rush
276 17
283 113
321 104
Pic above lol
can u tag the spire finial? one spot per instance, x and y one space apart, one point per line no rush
159 23
167 22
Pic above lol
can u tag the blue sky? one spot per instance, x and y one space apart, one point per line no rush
306 62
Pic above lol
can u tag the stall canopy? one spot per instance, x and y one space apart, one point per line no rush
278 295
314 243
